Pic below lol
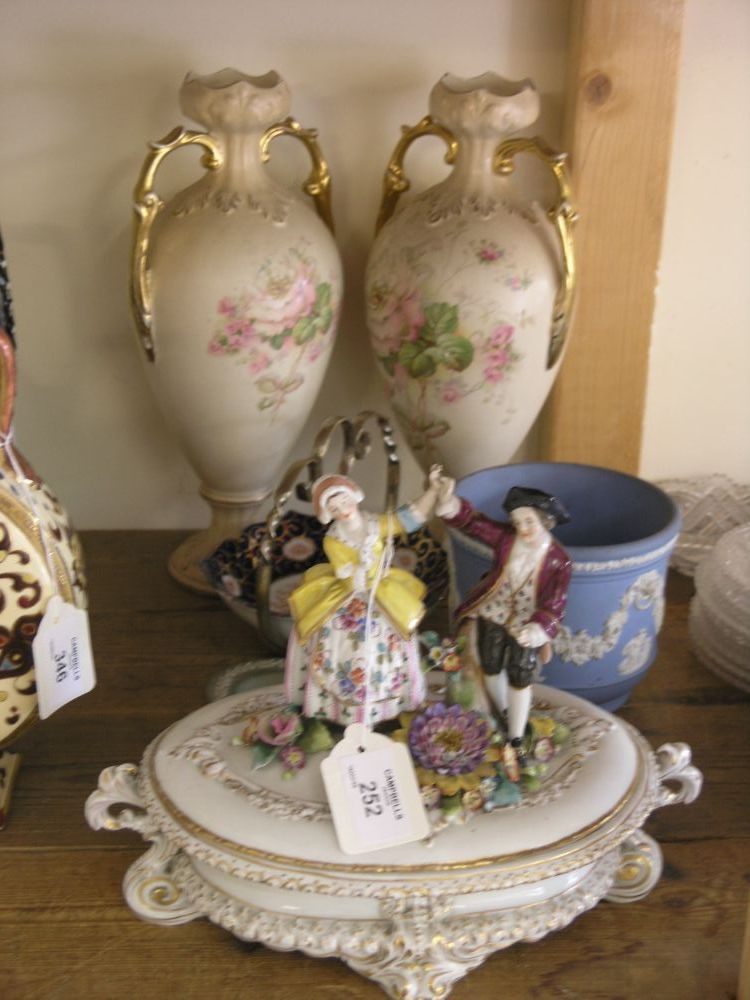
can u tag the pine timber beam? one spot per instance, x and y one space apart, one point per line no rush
621 93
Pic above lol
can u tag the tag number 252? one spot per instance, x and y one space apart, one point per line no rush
370 798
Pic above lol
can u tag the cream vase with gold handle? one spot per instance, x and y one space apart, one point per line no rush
235 290
470 287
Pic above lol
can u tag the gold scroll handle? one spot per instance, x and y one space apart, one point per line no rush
318 183
146 205
395 181
302 474
563 216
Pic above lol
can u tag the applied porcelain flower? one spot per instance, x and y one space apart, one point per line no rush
451 748
293 758
278 728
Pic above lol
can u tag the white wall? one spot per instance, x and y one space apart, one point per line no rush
697 416
85 84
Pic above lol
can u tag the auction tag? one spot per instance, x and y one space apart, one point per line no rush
373 792
63 661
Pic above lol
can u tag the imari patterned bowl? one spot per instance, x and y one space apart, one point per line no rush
257 854
299 545
621 533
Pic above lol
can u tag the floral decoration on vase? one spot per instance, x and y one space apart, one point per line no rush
436 353
279 326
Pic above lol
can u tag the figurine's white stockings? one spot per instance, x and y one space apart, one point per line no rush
519 706
497 687
517 702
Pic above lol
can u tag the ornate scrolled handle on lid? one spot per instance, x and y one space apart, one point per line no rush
395 181
117 804
318 184
563 216
147 204
302 474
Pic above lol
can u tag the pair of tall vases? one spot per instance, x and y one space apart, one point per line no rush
236 289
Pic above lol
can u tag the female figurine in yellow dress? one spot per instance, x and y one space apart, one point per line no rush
353 653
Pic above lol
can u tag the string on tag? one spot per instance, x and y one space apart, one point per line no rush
384 563
6 442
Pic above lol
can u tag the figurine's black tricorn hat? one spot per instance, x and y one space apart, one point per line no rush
527 496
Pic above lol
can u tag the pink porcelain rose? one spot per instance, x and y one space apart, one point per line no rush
278 727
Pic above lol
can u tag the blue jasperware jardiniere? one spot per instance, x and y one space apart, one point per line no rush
621 533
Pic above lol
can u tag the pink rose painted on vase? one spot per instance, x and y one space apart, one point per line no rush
400 316
452 390
286 294
286 317
431 360
488 251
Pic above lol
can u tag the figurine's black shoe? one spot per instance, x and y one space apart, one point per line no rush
517 744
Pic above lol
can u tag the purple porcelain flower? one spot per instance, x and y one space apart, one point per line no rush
449 740
293 759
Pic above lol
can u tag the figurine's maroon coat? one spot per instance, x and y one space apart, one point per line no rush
552 580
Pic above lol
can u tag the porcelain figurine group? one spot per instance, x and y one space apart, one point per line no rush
353 655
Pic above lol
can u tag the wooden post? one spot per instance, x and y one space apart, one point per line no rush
624 62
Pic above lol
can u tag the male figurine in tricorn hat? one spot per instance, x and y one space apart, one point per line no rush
513 613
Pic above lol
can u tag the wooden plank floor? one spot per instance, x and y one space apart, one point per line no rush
65 931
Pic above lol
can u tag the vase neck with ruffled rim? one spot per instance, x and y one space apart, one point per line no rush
481 112
236 109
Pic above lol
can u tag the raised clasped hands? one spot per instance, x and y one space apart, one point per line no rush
442 488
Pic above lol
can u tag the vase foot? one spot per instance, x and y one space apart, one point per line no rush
184 563
229 518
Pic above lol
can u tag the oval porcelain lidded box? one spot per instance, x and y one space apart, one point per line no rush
258 855
621 533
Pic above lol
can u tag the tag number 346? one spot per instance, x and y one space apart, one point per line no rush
370 798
